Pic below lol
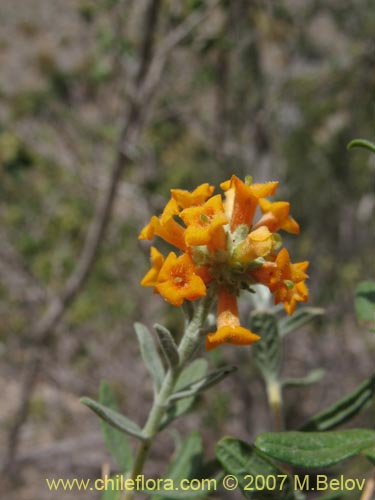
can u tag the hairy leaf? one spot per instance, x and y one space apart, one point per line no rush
186 465
314 449
342 410
311 378
116 441
114 418
301 317
267 351
203 383
168 346
369 453
150 355
245 463
193 371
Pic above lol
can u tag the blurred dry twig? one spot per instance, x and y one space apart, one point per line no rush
145 85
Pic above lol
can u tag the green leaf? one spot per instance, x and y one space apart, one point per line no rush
342 410
301 316
150 355
202 384
168 346
365 302
188 460
311 378
183 495
314 449
338 495
193 371
245 463
369 453
267 351
117 443
114 418
185 465
361 143
109 493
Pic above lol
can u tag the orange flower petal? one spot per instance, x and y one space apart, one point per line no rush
165 227
237 336
266 189
241 199
228 324
157 260
177 280
203 221
186 199
276 216
240 202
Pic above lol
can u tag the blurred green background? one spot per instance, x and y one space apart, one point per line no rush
271 89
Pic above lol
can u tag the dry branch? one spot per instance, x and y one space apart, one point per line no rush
146 82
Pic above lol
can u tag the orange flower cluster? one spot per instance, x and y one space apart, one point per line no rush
223 247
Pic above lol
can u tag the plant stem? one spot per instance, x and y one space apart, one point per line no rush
275 401
188 345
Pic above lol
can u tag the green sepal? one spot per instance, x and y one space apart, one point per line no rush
315 449
254 264
240 234
150 355
114 418
168 346
202 384
300 317
196 369
116 441
342 410
243 460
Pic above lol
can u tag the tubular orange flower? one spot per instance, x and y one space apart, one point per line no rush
166 227
204 221
229 329
290 297
157 260
285 280
177 280
186 199
276 216
257 244
242 199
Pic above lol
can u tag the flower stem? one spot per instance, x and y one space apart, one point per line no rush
188 345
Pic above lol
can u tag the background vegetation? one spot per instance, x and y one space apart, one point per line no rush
272 89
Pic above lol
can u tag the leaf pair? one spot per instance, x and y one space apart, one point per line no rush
151 355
